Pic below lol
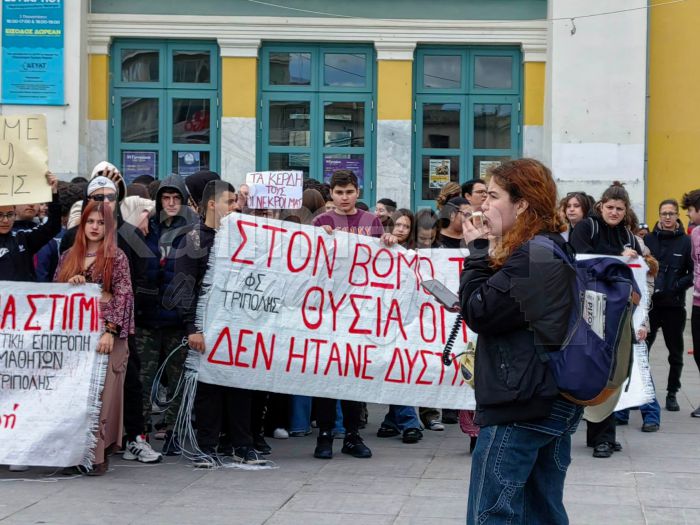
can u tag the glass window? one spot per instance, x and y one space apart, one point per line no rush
290 69
290 123
140 65
492 126
437 170
344 124
289 161
441 125
442 71
345 69
139 120
191 120
192 67
493 72
187 163
137 163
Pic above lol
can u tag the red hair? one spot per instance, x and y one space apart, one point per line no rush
74 263
531 181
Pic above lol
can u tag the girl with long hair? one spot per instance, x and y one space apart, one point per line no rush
404 228
95 258
517 295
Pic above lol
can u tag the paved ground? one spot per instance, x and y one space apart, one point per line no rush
654 480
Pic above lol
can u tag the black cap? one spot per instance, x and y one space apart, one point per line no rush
197 181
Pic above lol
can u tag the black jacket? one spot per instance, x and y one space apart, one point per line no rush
594 235
191 261
17 248
524 303
672 250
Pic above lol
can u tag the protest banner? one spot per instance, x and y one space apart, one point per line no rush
292 309
51 376
24 160
275 190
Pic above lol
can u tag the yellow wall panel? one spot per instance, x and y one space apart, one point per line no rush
534 94
239 76
394 89
673 129
98 97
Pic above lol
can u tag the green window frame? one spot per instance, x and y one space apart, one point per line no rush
188 111
334 124
468 120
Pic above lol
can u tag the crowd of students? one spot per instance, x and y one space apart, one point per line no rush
147 245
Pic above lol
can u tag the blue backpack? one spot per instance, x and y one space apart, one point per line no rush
595 359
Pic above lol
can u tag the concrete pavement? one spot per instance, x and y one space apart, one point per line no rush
654 480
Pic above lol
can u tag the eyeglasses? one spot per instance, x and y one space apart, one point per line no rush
643 226
110 197
480 192
668 214
7 216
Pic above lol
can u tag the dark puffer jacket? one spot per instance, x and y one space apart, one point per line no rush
163 234
673 251
524 303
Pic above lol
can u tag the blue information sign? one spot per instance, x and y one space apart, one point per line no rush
32 52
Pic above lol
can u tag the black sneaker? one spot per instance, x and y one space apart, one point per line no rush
412 435
354 446
247 455
324 446
171 445
206 460
672 403
261 445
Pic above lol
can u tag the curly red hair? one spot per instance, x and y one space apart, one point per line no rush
531 181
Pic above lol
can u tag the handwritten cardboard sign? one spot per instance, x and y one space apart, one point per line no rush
275 190
50 373
24 160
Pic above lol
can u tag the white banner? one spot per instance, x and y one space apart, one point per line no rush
50 373
295 310
276 190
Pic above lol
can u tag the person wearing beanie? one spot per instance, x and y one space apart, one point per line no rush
195 185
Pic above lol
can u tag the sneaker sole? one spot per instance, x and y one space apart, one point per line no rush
349 453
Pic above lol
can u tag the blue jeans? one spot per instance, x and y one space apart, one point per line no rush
518 470
651 413
401 417
300 420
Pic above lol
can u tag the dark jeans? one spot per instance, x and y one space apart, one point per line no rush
222 409
325 414
518 470
695 329
671 320
603 432
134 423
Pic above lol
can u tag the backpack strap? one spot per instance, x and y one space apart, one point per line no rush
594 229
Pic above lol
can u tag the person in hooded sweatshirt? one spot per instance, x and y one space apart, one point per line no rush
670 245
107 185
159 329
17 248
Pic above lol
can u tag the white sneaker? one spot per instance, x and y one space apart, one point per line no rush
436 425
19 468
140 450
280 433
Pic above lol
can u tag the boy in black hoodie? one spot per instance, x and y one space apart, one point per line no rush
217 408
17 248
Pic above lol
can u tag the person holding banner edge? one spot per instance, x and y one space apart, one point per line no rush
515 295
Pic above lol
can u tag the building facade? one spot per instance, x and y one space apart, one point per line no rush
408 94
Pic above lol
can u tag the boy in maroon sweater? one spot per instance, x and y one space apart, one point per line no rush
345 217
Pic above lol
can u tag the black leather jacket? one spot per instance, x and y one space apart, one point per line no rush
524 303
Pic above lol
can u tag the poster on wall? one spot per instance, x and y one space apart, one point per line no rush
486 165
438 173
137 163
188 163
357 166
32 52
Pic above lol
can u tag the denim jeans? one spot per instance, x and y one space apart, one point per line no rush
518 470
401 417
301 415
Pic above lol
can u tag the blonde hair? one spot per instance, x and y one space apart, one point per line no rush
448 191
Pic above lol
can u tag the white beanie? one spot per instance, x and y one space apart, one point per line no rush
104 165
100 182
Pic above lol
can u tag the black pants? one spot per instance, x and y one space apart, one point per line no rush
325 414
695 330
270 411
603 432
671 320
222 409
134 423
